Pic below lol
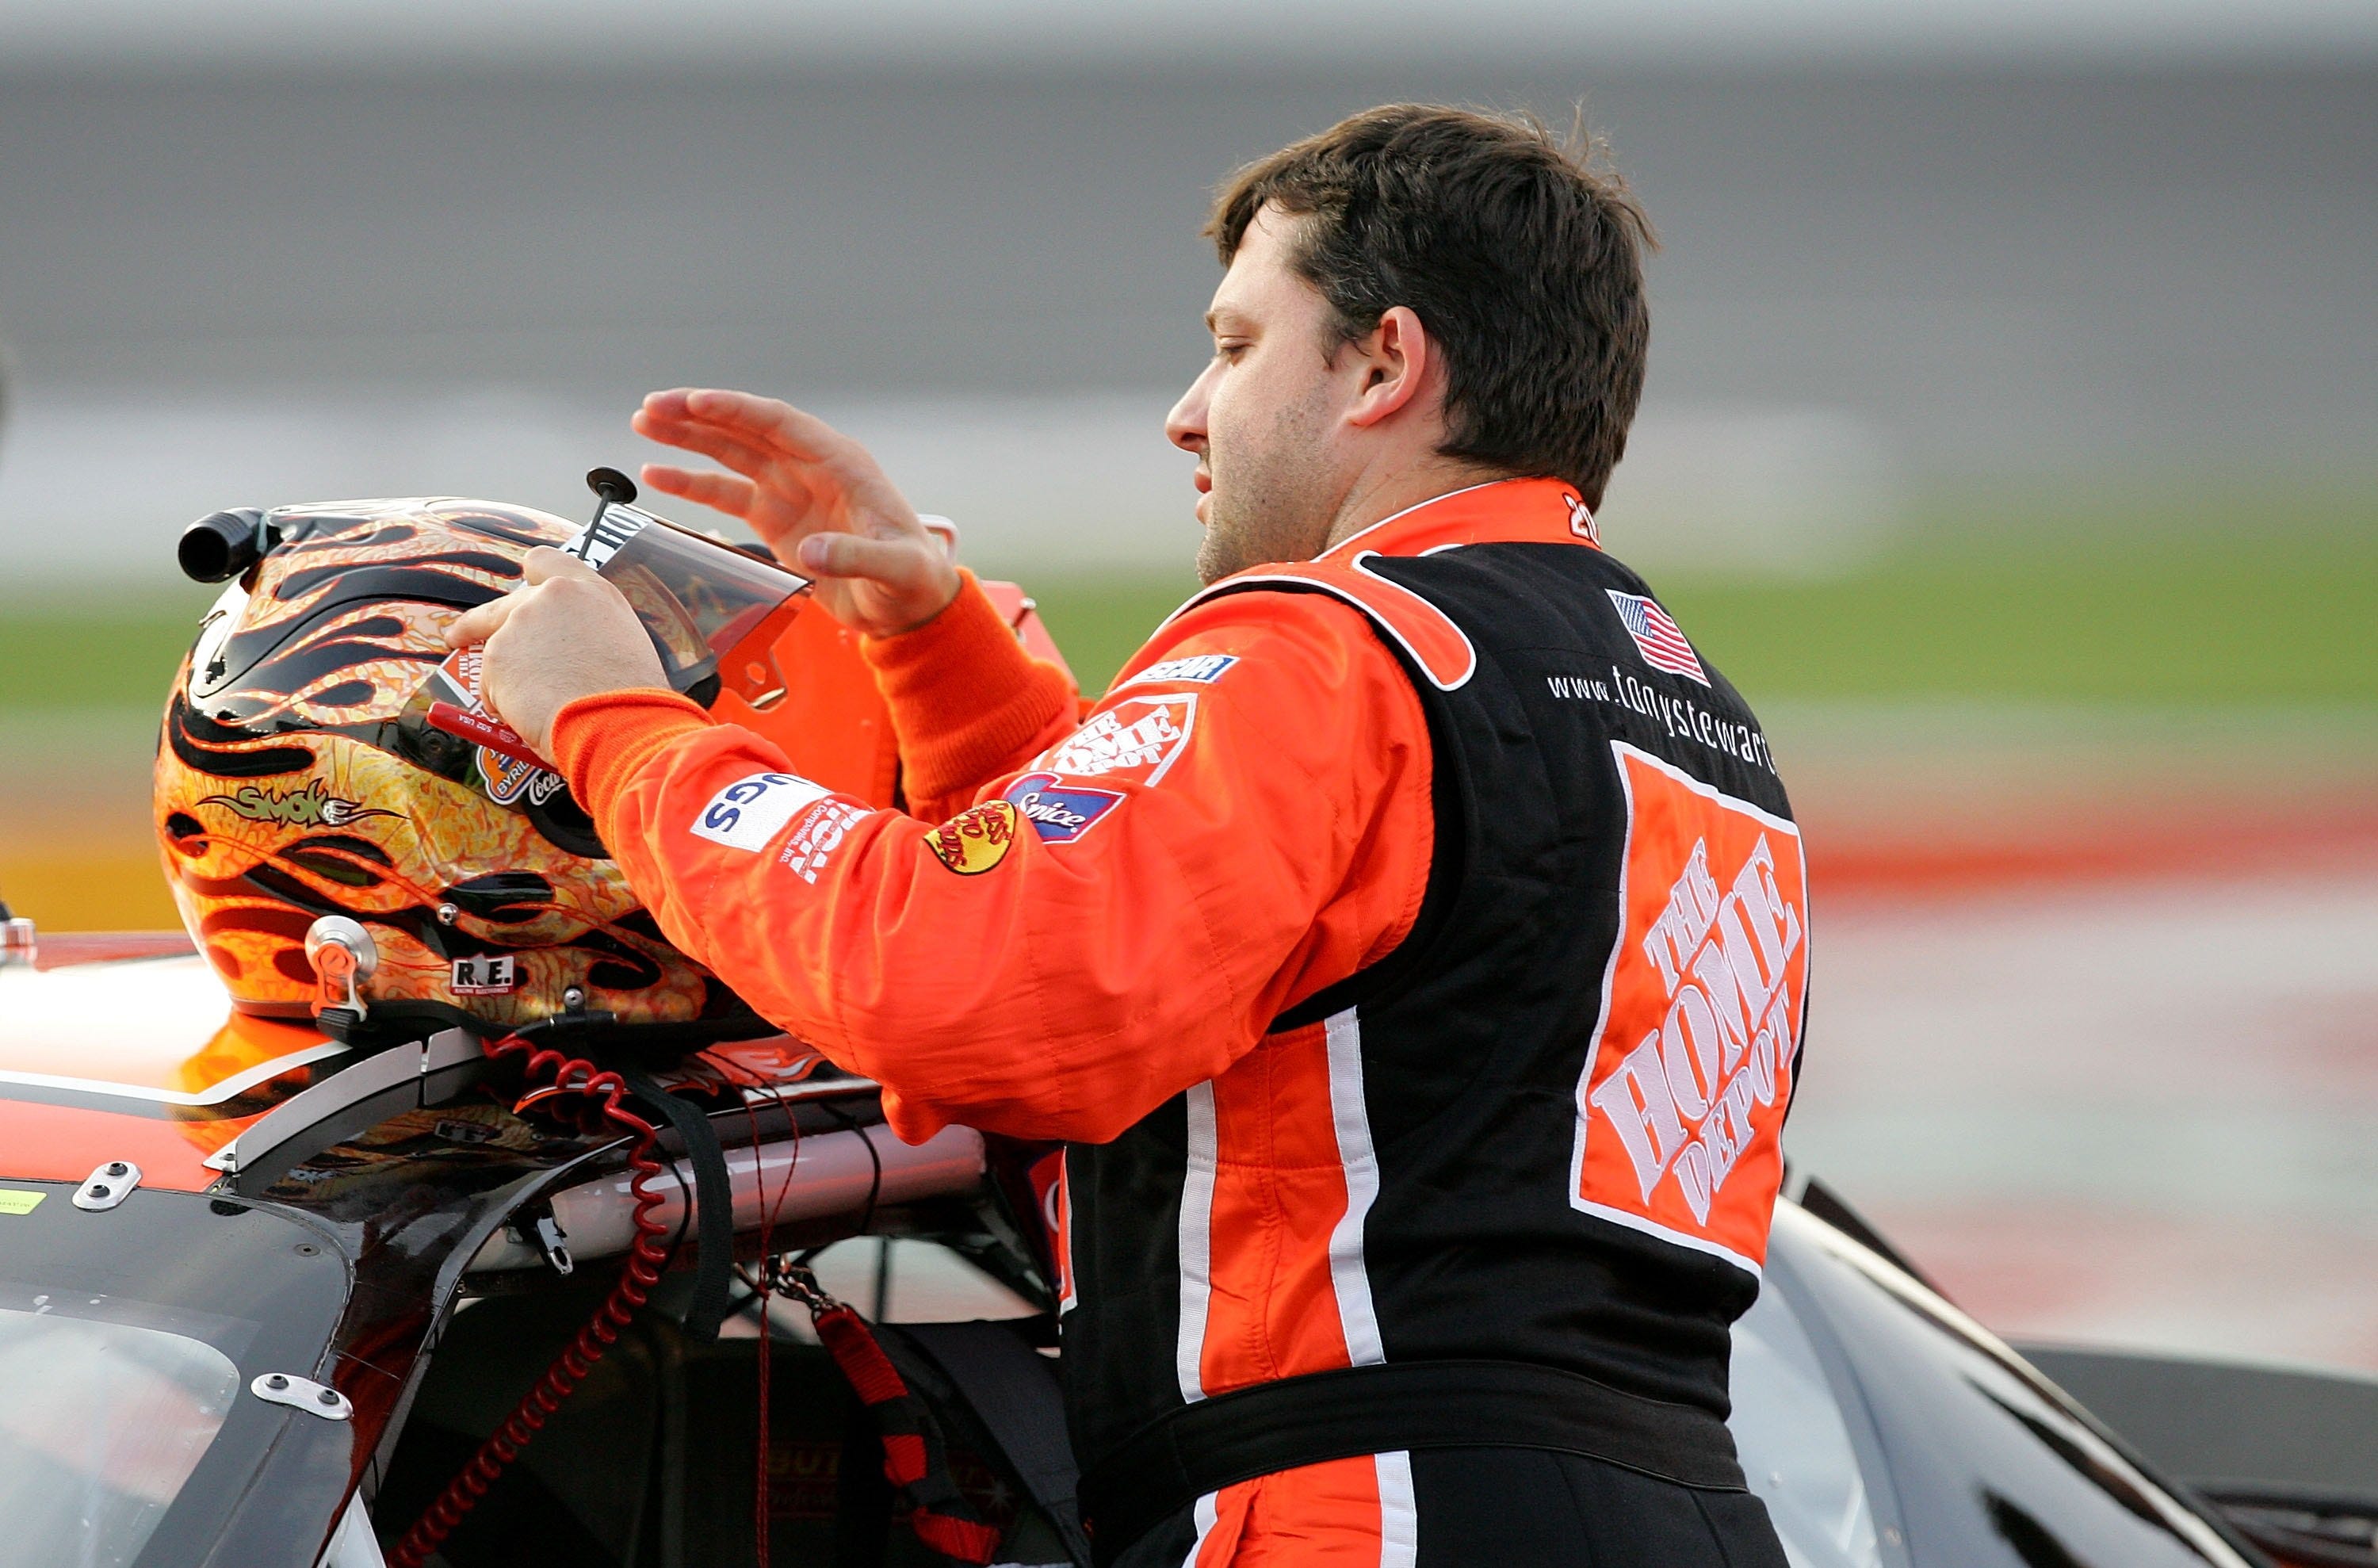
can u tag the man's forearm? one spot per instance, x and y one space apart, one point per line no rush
968 703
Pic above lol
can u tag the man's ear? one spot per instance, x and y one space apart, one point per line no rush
1394 362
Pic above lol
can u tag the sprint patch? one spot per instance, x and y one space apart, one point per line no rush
1059 813
974 841
753 810
1203 669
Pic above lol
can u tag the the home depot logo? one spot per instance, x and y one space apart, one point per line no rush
1138 739
1684 1094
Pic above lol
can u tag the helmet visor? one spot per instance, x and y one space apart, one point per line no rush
714 614
711 610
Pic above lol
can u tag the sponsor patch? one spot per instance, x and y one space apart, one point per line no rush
508 780
818 835
1682 1105
974 841
492 974
754 809
511 780
1660 640
1203 669
312 806
1139 736
1059 813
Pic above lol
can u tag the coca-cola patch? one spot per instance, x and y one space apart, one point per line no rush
1139 738
508 780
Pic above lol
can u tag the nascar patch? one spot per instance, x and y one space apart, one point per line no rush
754 809
1140 735
1059 813
974 841
1202 669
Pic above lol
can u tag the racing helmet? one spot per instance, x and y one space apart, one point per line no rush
351 837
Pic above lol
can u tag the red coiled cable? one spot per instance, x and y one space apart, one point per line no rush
647 1257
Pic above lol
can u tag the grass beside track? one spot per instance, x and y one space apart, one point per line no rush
2185 621
2182 618
2104 624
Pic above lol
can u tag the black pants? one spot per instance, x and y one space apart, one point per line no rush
1474 1508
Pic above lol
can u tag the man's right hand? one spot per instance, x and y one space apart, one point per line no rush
816 497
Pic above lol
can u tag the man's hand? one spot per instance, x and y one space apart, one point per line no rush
814 496
562 635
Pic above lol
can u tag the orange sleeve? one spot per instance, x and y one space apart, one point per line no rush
967 702
1245 822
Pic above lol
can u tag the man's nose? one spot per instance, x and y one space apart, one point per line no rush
1185 425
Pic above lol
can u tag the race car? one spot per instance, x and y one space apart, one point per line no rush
283 1285
262 1296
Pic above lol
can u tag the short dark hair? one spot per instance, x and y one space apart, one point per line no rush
1520 253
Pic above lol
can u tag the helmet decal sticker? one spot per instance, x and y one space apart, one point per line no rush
491 976
303 807
508 780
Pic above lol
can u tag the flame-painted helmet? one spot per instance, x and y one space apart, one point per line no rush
310 774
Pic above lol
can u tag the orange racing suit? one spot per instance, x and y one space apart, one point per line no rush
1112 930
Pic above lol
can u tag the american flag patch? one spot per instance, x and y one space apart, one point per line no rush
1657 638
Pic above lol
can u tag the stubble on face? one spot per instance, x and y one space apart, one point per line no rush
1269 406
1272 499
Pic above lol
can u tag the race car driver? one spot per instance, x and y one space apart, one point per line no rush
1411 946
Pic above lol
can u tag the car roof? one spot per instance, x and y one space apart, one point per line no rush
123 1046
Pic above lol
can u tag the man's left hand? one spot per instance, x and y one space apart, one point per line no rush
562 635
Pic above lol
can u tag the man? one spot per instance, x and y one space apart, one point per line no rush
1410 944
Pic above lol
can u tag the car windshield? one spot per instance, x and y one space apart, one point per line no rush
101 1425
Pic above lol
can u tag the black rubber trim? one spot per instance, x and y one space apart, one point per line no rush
1172 1462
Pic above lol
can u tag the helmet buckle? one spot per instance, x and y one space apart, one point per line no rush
343 954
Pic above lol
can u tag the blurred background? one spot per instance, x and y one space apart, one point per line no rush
2011 439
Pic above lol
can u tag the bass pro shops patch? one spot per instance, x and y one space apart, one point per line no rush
974 841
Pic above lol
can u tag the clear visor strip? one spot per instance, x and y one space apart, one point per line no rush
608 534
